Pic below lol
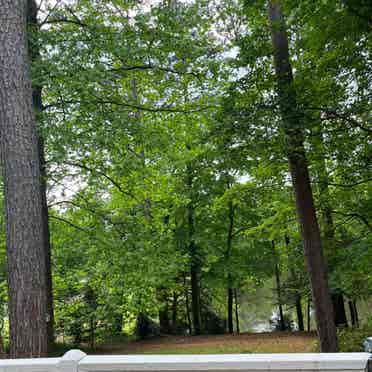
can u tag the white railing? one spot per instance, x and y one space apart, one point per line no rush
77 361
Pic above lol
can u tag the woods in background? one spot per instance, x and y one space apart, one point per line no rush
145 152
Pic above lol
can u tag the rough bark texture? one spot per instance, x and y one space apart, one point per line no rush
38 106
21 174
293 119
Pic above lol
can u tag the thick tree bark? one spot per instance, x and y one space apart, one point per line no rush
278 288
26 260
308 314
293 120
38 106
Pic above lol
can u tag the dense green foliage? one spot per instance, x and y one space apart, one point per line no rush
158 113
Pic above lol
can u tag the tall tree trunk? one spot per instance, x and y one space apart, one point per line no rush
236 311
194 261
293 120
300 317
28 310
230 310
329 234
278 288
38 106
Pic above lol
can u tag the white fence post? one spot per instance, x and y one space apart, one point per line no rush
70 361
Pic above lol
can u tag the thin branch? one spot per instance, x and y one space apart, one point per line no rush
345 185
93 212
82 229
51 11
130 106
64 20
334 114
100 173
154 67
355 215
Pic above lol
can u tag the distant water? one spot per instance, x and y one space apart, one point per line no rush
261 327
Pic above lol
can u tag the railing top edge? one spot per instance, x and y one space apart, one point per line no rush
336 362
30 362
89 359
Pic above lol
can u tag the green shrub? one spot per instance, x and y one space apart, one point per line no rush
351 339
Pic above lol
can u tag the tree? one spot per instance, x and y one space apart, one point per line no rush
34 54
293 130
21 173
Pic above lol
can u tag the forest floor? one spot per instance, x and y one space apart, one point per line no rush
278 342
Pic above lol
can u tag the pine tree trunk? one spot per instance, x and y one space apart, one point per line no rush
38 106
293 120
21 173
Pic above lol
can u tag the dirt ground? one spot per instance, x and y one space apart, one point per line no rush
278 342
